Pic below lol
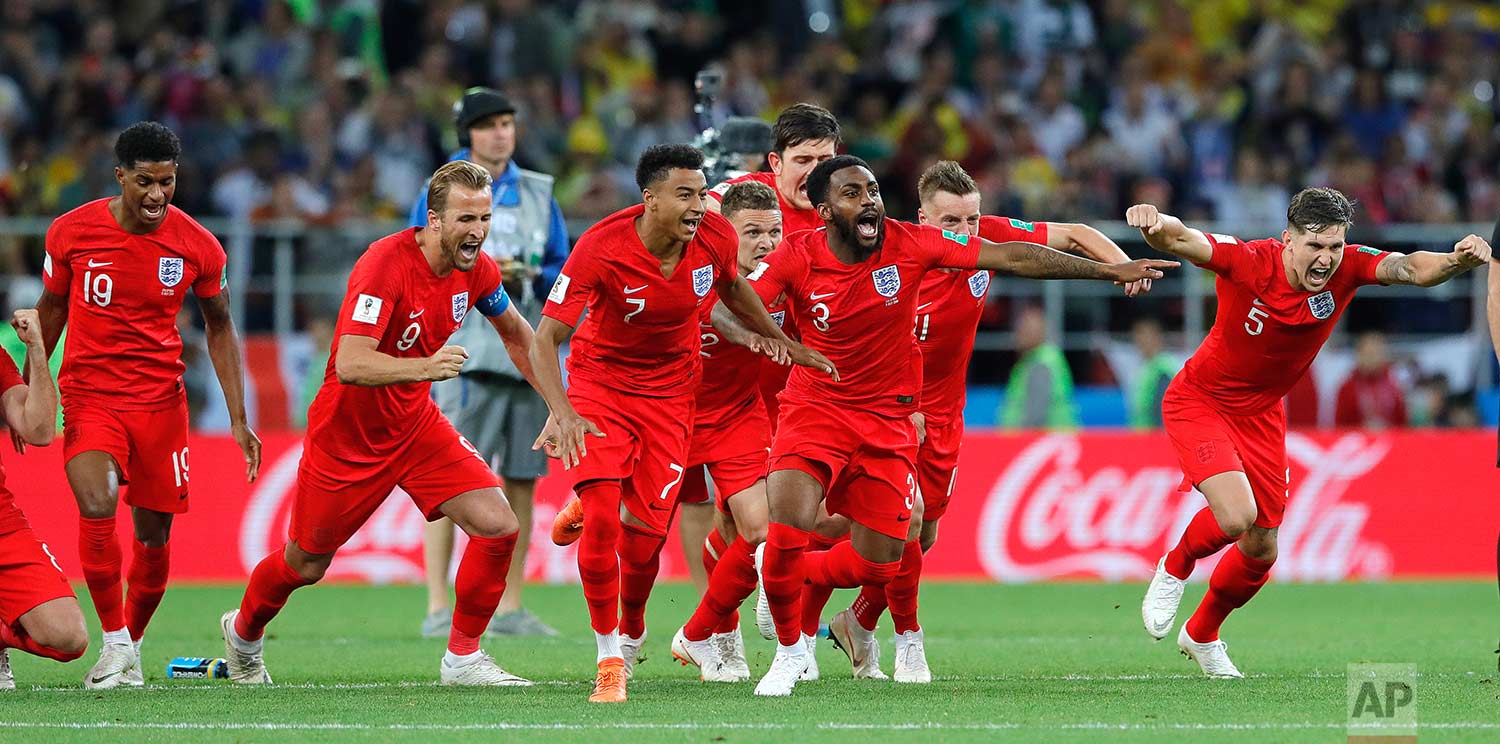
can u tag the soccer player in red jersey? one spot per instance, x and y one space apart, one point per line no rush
643 274
374 426
1278 302
853 288
116 272
38 612
730 440
949 304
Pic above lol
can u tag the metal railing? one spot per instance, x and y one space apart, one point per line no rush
280 267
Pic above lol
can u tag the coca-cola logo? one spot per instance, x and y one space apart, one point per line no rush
1049 516
388 548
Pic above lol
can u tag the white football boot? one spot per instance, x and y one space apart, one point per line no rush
786 668
763 621
1163 596
858 644
1212 657
246 667
911 658
7 678
116 660
732 655
811 674
483 672
703 654
630 651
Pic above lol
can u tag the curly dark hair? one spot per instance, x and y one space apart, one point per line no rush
817 181
146 142
659 160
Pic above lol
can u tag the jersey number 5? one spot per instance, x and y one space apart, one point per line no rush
1256 322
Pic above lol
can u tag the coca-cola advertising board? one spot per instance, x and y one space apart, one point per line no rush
1026 507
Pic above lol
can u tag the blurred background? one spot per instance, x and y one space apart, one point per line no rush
310 126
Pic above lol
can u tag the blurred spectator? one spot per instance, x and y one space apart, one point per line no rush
1157 370
263 188
1056 125
1429 400
1370 398
1040 392
1252 198
1146 136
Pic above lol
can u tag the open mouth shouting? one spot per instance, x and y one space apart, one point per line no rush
690 223
153 212
867 226
1318 276
469 250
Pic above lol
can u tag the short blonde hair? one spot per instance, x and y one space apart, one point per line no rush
748 195
461 173
945 175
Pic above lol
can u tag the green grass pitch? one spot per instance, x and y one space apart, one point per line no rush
1050 662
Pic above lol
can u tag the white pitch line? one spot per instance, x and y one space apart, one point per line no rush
456 727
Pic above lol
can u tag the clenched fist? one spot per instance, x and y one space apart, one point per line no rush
445 363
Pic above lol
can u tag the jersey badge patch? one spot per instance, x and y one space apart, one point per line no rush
169 271
460 306
887 281
979 283
1321 304
778 318
703 279
367 309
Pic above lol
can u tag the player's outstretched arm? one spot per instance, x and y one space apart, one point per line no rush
52 313
742 300
733 331
31 409
224 352
1085 240
1168 235
517 335
566 433
1429 269
1035 261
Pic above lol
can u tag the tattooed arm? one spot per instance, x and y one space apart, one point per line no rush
1040 262
1428 269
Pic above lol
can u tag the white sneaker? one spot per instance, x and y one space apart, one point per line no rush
858 644
785 670
7 678
763 621
113 668
1212 657
911 658
732 655
630 651
703 654
245 667
811 674
482 673
1159 608
135 677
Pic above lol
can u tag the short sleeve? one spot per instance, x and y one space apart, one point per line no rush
1231 257
212 276
717 193
370 300
723 245
942 249
57 275
1363 262
9 375
485 283
571 292
1007 229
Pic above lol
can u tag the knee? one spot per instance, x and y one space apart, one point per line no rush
1236 523
929 535
754 534
311 567
95 502
69 640
494 523
154 535
1259 545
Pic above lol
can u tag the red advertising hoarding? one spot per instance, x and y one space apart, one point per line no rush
1026 507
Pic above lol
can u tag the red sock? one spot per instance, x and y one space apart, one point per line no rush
1201 539
477 590
1235 580
731 582
640 559
868 606
818 542
272 581
148 582
714 549
99 552
781 573
841 567
901 592
15 636
814 599
598 565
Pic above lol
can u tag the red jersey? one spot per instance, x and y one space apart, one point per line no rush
949 304
123 349
1266 334
860 316
729 384
394 297
11 518
793 220
641 333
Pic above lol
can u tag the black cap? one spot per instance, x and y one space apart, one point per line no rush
476 104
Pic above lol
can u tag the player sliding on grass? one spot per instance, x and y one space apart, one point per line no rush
374 426
643 274
1278 302
949 303
853 287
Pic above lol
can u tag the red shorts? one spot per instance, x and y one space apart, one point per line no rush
644 447
29 575
733 451
937 465
1210 442
150 449
864 461
335 497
